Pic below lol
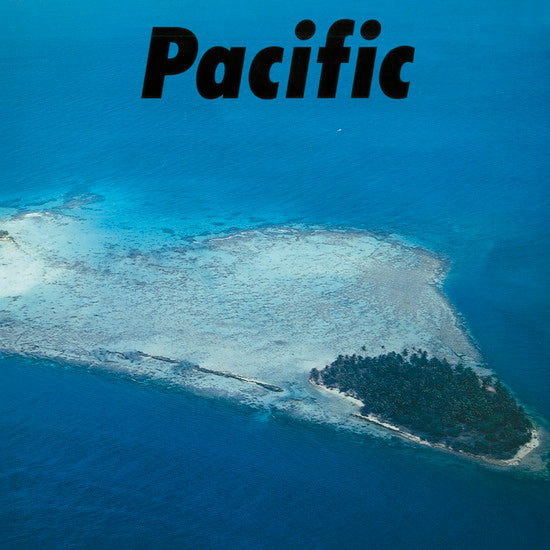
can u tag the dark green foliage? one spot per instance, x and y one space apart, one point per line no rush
429 397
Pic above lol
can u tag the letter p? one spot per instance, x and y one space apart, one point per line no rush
159 64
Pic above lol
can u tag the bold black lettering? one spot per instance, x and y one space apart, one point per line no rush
305 29
159 64
300 60
363 72
232 60
370 29
258 77
298 72
390 72
333 55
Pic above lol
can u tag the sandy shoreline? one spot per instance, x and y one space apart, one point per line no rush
516 460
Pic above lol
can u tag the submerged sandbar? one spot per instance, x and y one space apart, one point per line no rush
267 303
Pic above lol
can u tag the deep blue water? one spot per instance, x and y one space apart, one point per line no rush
95 462
460 166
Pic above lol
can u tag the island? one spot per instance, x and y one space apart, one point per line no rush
447 404
244 315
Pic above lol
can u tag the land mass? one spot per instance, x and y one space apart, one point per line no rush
241 315
444 404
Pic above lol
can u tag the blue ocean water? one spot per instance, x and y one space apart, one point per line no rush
460 167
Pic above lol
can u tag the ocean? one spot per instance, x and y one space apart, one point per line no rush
91 459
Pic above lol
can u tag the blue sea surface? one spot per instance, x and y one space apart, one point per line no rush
461 167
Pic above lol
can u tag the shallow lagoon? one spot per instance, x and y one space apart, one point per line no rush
260 307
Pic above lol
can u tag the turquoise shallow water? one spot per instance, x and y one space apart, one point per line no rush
460 167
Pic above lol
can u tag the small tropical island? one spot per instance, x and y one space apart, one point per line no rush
445 405
219 314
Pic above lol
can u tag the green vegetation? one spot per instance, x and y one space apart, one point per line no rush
431 398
